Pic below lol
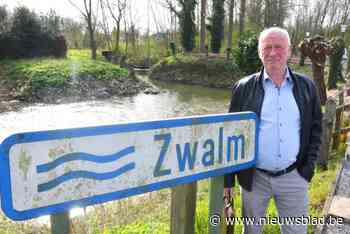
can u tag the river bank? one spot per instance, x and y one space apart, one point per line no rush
55 81
197 69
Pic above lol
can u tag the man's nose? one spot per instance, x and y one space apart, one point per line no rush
273 50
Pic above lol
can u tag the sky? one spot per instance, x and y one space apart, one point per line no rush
65 9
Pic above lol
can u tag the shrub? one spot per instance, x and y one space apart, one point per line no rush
246 55
28 39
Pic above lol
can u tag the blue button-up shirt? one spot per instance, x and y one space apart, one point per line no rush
279 135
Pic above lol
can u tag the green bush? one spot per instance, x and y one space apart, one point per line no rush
27 38
246 55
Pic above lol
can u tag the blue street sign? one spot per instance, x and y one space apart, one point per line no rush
52 171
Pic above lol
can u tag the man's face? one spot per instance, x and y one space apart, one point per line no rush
274 51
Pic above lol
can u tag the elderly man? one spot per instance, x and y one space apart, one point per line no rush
288 108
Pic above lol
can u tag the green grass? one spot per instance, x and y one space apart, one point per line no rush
306 69
84 54
50 72
318 192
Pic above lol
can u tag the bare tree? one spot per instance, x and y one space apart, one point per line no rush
275 12
300 24
230 23
255 13
105 25
132 33
283 6
91 19
242 16
202 27
117 16
324 12
345 5
320 11
73 32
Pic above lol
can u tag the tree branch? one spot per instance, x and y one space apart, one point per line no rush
171 7
76 7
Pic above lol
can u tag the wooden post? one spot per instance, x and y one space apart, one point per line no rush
228 54
60 223
338 120
216 188
327 126
347 152
183 208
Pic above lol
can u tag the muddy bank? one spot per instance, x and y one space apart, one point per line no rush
88 88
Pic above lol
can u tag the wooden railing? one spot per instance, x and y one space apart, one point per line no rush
336 109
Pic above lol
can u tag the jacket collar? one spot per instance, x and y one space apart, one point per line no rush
260 75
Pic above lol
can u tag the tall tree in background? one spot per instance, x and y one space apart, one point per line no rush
217 28
105 26
269 13
186 17
73 32
231 5
51 23
242 16
3 19
275 12
91 20
202 27
320 16
117 10
283 6
255 13
300 24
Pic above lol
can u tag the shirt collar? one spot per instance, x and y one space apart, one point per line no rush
286 75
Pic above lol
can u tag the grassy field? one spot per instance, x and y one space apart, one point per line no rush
32 74
306 69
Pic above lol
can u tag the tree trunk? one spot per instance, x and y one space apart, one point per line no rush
242 16
318 74
118 38
230 24
92 42
202 28
133 39
126 38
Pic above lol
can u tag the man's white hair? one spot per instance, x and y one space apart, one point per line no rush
278 30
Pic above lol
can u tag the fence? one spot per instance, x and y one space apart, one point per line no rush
336 109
